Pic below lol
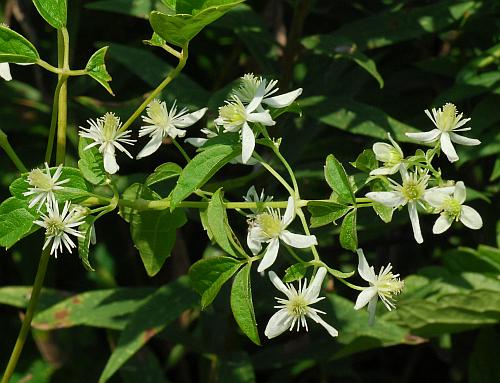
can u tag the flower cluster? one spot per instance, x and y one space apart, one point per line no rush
417 174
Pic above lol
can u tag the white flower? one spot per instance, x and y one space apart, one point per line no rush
105 132
234 117
59 227
270 227
5 71
256 87
391 155
447 123
252 196
452 209
295 308
44 185
198 142
383 285
162 123
411 192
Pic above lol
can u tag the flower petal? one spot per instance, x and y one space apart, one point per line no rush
283 100
471 218
460 192
257 99
442 224
384 171
189 119
263 117
448 148
270 255
461 140
387 198
276 281
372 309
151 147
365 296
429 136
299 241
415 224
254 245
315 317
110 164
247 143
5 71
435 197
382 151
196 141
314 288
365 271
289 212
277 324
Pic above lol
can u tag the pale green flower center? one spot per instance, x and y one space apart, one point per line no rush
157 114
110 126
40 180
233 113
388 285
452 208
447 118
413 190
297 306
248 87
55 227
270 224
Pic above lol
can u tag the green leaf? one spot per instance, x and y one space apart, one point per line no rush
336 178
75 189
218 223
163 173
157 312
155 41
136 8
366 161
14 48
235 367
96 68
348 232
384 212
242 304
109 308
16 221
53 11
154 234
295 272
201 168
208 275
84 243
91 163
190 19
324 213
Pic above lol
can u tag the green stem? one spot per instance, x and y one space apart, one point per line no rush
62 115
26 326
9 150
171 76
62 71
53 121
289 170
274 173
181 149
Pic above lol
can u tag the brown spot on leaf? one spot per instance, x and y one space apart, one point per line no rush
414 339
76 300
149 333
61 314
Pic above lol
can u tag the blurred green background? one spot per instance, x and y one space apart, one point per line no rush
366 67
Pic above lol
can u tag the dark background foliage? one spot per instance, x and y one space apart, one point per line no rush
426 52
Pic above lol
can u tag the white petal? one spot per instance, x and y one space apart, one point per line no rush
276 281
464 140
471 218
270 255
372 308
289 212
299 241
247 143
331 330
435 197
384 171
365 271
283 100
395 144
415 224
314 288
448 148
460 192
263 117
382 151
110 164
277 324
5 71
151 147
429 136
442 224
196 141
189 119
387 198
257 99
364 297
254 245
